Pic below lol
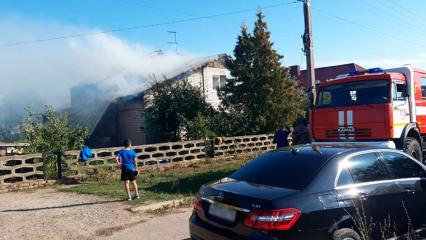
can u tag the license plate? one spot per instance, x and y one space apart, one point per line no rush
222 212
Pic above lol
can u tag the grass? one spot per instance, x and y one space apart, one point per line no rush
170 184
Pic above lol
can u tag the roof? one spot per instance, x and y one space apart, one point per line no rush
196 64
324 73
328 150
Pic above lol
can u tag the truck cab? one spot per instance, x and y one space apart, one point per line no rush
373 106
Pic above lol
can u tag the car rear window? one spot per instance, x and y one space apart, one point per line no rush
281 169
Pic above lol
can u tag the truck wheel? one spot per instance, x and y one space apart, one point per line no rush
412 147
346 234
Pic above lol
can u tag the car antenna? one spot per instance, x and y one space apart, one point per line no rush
294 150
317 149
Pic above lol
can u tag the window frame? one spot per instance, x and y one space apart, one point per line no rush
406 155
423 78
395 91
376 151
355 93
219 81
378 159
347 158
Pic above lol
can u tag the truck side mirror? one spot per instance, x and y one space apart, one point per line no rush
403 89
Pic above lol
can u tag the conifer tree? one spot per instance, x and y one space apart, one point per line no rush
261 90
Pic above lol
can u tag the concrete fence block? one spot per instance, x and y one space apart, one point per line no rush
15 170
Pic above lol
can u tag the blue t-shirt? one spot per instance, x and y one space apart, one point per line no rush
127 157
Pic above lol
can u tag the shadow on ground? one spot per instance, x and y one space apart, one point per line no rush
190 184
59 207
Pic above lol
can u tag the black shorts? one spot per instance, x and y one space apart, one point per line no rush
128 175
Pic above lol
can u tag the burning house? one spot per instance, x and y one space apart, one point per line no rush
113 119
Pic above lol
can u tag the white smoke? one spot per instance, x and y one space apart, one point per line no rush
49 69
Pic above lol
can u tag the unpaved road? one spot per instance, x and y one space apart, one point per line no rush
48 214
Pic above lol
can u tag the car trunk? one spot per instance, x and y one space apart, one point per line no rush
226 203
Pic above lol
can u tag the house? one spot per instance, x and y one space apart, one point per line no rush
113 119
323 73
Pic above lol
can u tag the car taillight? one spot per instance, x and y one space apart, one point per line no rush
198 206
279 219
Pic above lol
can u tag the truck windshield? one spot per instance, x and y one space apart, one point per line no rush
354 93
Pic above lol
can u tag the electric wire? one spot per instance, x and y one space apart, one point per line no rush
86 34
371 29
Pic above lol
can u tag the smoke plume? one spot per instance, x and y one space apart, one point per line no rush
43 73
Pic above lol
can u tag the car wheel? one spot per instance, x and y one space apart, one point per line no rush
346 234
412 147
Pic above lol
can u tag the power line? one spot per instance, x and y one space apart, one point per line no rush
153 7
367 27
142 5
385 13
398 16
78 35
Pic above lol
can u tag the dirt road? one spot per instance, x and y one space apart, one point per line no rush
49 214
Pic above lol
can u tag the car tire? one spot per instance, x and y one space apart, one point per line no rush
413 148
346 234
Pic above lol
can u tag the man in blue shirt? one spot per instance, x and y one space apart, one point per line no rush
280 137
126 158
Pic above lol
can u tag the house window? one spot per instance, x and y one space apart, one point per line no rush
219 81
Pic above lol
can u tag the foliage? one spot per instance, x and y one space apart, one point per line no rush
218 123
201 127
51 132
174 105
261 92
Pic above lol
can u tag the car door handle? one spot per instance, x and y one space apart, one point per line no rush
363 196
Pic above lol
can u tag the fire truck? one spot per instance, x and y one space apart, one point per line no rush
373 106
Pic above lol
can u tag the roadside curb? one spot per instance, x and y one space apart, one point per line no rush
159 205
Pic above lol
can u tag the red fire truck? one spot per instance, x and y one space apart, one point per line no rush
373 106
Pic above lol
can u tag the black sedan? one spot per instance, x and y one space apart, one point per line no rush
338 192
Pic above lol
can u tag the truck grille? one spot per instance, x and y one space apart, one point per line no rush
359 132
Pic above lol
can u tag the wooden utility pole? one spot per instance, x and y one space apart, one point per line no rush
309 51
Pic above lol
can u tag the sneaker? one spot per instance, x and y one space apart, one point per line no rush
137 197
130 199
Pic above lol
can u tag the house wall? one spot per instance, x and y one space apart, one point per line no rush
211 93
206 74
130 122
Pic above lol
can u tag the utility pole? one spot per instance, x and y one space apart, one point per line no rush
309 51
175 40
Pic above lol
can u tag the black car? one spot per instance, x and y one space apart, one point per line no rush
313 192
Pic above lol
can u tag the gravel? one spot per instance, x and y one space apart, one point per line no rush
48 214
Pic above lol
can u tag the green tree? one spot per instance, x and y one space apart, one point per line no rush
173 105
51 132
201 127
261 92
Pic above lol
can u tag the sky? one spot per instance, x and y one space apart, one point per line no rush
379 33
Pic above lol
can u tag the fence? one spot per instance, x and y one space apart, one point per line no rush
29 168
